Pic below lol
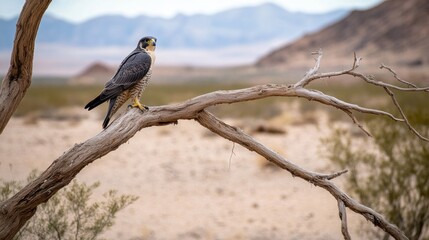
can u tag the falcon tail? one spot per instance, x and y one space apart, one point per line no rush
106 121
109 112
94 103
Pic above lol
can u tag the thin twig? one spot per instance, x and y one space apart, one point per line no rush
343 218
305 80
333 175
230 156
383 84
316 67
356 62
340 104
355 121
311 77
397 77
390 93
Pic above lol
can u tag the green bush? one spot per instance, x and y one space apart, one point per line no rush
391 175
69 214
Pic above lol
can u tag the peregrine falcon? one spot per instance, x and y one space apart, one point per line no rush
129 81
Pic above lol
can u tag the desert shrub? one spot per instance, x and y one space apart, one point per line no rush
70 214
391 175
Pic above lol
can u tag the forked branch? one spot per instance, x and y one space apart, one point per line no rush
412 85
15 211
236 135
348 107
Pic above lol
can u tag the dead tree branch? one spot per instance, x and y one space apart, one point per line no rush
347 107
15 211
236 135
343 218
397 77
390 93
18 77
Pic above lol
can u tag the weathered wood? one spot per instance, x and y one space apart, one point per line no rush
321 180
343 217
18 77
15 211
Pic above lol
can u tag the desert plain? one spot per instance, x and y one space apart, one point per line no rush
191 183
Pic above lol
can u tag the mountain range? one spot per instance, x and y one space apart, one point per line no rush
395 32
247 25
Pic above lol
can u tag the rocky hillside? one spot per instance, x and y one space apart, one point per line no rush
395 32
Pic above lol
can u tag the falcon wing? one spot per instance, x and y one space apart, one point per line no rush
132 70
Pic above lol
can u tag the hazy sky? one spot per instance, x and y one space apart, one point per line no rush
80 10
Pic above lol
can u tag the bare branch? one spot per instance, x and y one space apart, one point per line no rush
404 116
347 107
305 80
397 77
333 175
370 80
309 78
230 156
343 218
337 103
356 61
355 121
236 135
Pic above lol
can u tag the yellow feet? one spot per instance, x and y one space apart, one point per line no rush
136 103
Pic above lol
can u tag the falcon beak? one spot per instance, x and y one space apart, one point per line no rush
153 42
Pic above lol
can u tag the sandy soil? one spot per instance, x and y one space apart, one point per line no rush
188 189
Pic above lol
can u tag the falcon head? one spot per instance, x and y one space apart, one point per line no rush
147 43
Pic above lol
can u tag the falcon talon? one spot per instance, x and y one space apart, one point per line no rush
129 81
129 107
141 108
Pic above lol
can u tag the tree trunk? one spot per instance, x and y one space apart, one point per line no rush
18 77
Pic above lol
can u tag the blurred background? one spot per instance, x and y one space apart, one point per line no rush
192 184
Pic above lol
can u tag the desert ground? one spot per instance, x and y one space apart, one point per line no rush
191 183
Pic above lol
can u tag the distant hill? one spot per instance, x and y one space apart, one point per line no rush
96 73
247 25
395 32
